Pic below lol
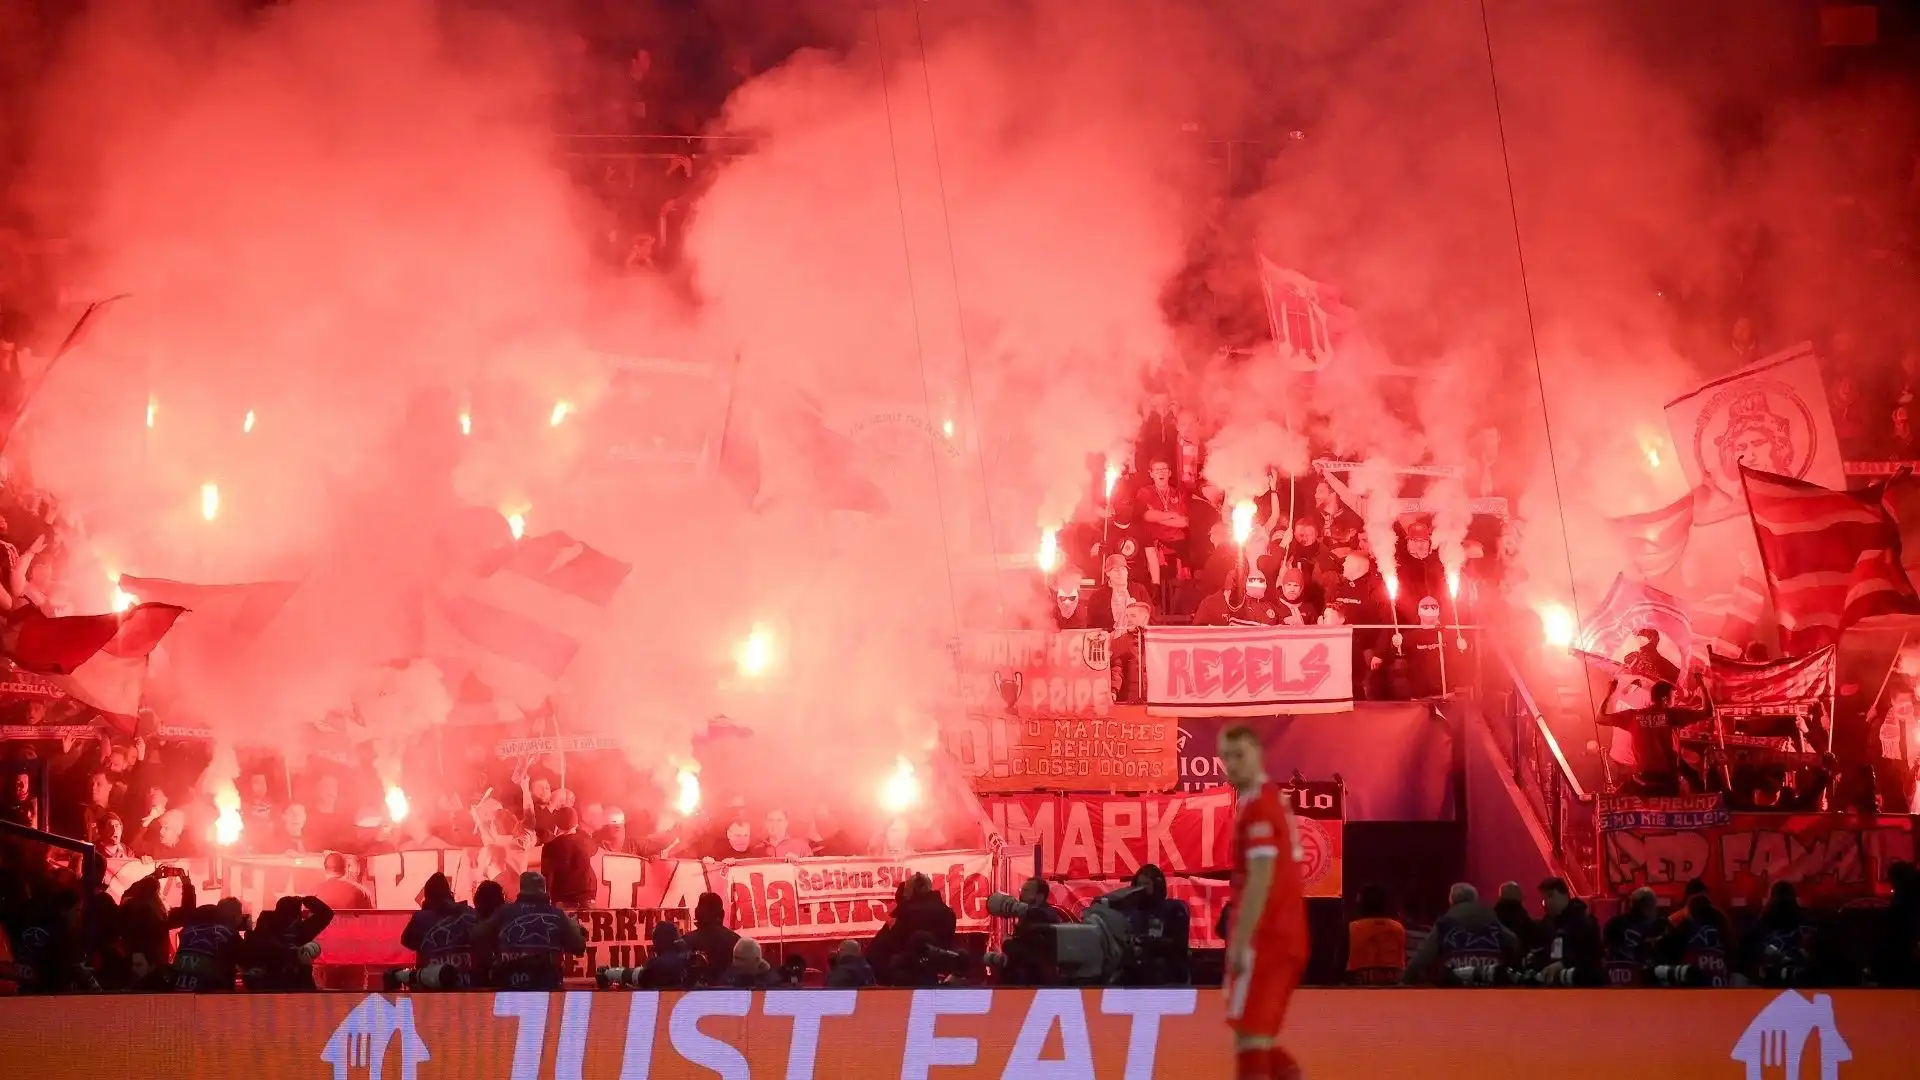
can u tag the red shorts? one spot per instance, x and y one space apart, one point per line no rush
1257 1001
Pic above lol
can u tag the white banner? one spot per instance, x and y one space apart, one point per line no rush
812 899
554 744
1248 670
1770 415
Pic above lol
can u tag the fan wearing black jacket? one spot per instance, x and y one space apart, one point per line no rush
280 950
1572 954
441 936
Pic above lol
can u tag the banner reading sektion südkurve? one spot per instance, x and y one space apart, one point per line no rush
1248 670
956 1034
810 899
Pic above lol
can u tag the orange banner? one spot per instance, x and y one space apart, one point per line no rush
955 1033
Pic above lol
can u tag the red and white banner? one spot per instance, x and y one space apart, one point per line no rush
1247 670
811 899
1770 415
1109 836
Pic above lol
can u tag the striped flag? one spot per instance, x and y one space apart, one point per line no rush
97 659
1832 558
520 626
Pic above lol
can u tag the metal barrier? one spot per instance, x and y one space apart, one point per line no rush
1539 769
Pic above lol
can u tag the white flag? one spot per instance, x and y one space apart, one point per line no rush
1770 415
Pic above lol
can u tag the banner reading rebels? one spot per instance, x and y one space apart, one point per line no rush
1248 670
1040 715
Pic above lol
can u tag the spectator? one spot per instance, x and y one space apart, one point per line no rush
710 941
778 843
1571 953
1467 944
1234 605
1320 565
1900 443
145 923
1339 526
1159 436
85 817
330 825
1069 612
1743 345
749 970
566 861
1359 600
613 836
336 890
1653 731
894 841
541 805
1511 910
1107 607
1295 606
108 839
1163 513
166 839
17 807
847 969
1376 941
293 830
261 831
735 842
208 957
1160 927
152 804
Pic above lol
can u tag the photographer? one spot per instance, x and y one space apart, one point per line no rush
1467 946
145 923
1029 946
1694 950
1630 938
1159 927
1778 951
530 938
280 950
1572 953
441 937
848 970
917 945
711 942
749 970
207 960
48 956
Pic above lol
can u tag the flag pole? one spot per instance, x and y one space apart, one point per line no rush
66 346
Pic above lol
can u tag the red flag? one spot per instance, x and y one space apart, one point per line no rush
1657 539
236 613
1832 557
58 646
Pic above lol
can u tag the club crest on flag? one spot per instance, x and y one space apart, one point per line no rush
1770 415
1631 607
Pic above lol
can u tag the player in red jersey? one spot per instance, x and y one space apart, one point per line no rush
1267 942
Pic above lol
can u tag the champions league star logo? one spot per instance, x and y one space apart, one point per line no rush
1761 424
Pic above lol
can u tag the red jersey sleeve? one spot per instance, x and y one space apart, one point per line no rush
1265 829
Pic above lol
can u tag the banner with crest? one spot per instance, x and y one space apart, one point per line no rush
1770 415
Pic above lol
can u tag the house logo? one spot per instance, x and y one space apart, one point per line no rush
362 1040
1777 1038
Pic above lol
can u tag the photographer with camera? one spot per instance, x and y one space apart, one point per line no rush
207 960
280 949
847 969
711 941
1778 951
1630 937
1572 953
441 937
1694 950
670 967
1467 947
530 939
916 948
1159 925
48 955
1028 957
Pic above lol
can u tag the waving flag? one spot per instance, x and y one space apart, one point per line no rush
1832 558
520 626
1711 568
1657 539
98 659
1306 316
1630 607
229 611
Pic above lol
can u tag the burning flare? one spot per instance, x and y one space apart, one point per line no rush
122 599
1557 625
1453 583
1242 521
1113 476
559 414
397 805
516 523
1650 448
1049 554
152 407
209 500
755 655
1393 586
246 426
229 824
946 428
686 798
466 423
900 791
